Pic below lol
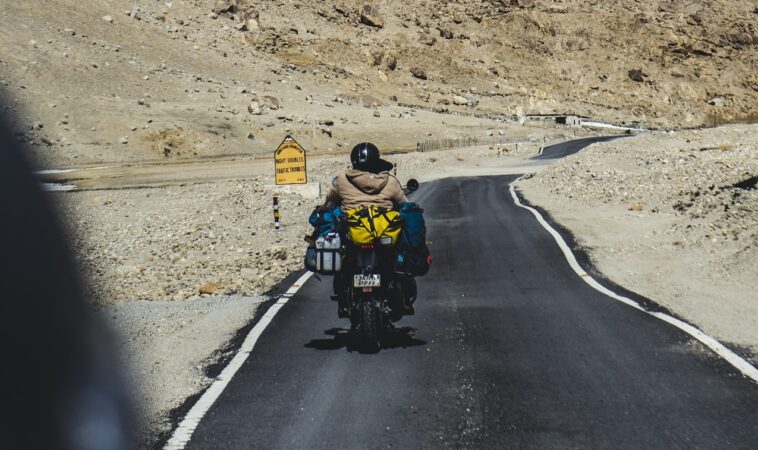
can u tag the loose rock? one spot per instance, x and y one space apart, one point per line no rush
224 6
459 100
208 289
418 73
370 16
446 34
254 108
637 75
391 62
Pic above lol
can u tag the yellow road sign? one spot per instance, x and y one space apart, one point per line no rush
289 163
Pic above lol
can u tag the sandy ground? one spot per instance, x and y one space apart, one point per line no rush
664 215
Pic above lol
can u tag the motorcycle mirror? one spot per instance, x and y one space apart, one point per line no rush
412 185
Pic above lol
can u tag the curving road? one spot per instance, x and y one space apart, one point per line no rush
509 349
569 148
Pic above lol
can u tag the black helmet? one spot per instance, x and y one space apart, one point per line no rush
365 157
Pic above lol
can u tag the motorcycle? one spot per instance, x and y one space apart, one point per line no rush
372 290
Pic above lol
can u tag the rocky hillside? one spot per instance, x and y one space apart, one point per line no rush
113 80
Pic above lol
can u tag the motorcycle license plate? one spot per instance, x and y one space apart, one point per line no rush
363 281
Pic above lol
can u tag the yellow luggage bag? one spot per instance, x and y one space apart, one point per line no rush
374 225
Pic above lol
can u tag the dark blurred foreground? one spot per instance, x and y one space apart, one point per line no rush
60 387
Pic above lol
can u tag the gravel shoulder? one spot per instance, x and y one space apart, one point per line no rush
671 216
167 345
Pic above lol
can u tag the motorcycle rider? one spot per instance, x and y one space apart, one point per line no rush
368 183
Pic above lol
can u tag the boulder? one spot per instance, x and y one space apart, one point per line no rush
472 100
208 289
254 108
391 62
251 19
252 24
270 102
742 39
418 73
716 101
370 16
224 6
637 75
459 100
446 34
427 39
375 56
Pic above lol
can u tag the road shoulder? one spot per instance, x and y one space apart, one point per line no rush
168 347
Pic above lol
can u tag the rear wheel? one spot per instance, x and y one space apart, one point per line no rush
370 324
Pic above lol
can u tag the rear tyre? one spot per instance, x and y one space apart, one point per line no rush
370 324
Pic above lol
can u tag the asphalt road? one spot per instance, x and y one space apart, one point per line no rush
569 148
509 349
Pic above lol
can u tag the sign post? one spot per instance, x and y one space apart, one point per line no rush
289 168
289 163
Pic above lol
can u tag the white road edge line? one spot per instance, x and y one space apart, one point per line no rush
732 358
181 436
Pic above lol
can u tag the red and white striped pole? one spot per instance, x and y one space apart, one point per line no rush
277 224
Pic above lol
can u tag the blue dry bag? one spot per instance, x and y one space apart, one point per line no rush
413 256
414 227
325 221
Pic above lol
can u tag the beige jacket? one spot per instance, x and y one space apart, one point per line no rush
356 188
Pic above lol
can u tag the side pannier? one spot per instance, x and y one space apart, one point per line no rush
325 256
414 257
